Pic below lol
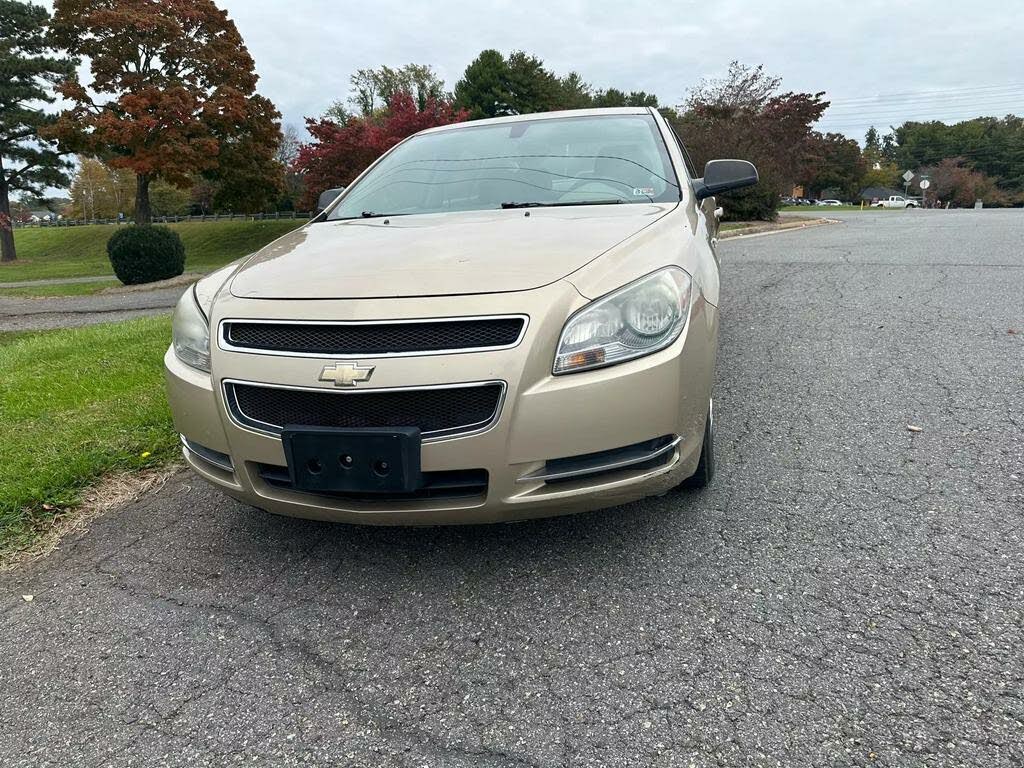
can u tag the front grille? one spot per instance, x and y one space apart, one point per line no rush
436 411
370 339
449 484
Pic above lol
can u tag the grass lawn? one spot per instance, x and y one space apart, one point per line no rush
82 251
74 404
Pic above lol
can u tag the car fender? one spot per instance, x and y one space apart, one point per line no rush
668 242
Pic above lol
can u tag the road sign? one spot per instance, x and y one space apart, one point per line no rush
924 184
907 176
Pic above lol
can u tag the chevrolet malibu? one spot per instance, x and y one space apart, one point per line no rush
497 320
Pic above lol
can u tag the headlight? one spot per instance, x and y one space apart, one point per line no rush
641 318
191 325
191 332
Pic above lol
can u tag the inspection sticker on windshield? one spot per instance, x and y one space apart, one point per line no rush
643 191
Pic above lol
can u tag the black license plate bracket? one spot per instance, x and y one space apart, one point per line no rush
372 460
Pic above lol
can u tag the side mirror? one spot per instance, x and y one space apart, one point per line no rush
723 176
326 198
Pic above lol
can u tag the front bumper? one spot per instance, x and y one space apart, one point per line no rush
543 418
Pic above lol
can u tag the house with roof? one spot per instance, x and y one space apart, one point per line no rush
872 194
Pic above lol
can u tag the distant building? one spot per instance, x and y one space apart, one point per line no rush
42 215
869 194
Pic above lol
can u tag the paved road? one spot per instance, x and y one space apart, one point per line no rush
58 281
847 593
72 311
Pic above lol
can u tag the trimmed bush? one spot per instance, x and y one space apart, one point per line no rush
146 254
757 203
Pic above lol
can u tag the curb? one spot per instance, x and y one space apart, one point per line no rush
739 234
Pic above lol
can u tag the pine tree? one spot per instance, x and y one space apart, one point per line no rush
28 69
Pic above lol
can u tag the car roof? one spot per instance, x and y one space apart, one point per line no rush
600 112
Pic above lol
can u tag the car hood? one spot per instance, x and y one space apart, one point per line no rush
438 254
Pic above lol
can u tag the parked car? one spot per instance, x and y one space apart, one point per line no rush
895 201
497 320
830 202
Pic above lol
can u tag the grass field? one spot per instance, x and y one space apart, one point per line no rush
56 252
75 404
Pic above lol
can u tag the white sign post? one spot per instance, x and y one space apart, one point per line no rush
906 181
924 184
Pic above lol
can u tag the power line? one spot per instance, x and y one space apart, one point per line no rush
876 120
909 95
964 103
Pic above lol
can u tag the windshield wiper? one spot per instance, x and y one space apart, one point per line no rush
513 204
375 215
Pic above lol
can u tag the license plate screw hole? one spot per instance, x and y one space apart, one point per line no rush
381 467
346 461
314 466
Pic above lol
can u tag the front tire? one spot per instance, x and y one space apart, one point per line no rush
706 467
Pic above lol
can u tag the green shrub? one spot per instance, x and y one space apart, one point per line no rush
757 203
146 254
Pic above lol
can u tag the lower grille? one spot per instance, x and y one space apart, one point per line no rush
436 411
452 484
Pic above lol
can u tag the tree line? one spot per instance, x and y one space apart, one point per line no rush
167 119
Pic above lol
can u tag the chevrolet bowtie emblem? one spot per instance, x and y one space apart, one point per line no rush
346 374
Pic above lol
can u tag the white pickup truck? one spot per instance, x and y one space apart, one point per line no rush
895 201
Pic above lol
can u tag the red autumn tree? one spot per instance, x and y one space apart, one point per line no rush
746 115
172 86
954 182
339 153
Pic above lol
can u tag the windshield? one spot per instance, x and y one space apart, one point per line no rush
560 161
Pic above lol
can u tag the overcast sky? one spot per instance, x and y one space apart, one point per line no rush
880 61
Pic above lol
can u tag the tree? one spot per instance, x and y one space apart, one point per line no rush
992 146
574 93
613 97
87 187
249 176
482 89
28 69
872 143
882 174
167 199
834 166
954 182
339 153
745 115
293 184
373 89
175 85
493 85
529 86
99 191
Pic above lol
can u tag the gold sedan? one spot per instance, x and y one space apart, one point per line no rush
497 320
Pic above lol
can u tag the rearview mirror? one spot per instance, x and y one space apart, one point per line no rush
723 176
326 198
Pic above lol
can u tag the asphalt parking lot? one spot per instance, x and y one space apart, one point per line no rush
847 592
